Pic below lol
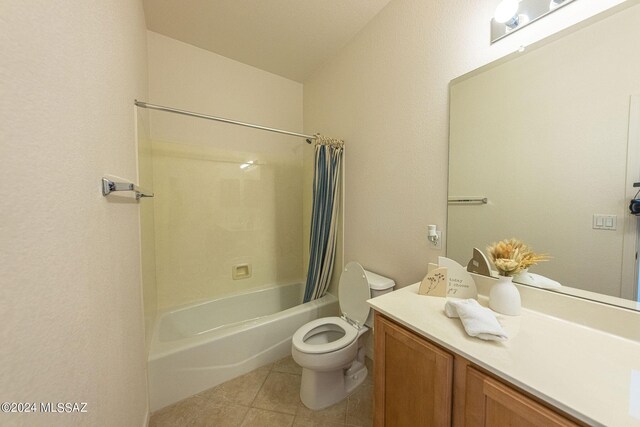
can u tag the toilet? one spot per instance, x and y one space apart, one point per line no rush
331 350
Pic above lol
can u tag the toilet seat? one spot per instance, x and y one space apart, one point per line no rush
302 334
353 291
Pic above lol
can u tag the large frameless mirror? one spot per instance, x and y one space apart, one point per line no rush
544 147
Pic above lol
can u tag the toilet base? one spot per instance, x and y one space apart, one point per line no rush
319 390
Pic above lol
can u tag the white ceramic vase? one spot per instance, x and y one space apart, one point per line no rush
504 297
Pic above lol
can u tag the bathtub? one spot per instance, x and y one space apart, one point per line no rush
197 347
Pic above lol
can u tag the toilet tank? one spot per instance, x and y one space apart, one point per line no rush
379 285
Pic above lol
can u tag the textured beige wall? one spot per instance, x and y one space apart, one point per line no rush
71 318
386 94
209 213
550 129
147 225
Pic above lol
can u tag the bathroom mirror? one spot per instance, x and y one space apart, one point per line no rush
545 147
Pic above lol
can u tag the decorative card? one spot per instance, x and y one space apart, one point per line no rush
435 283
460 283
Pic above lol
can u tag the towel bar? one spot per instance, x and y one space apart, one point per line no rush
109 186
468 200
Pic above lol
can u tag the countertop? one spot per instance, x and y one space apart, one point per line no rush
589 374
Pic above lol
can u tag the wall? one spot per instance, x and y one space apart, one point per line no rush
210 214
72 324
147 225
530 135
386 94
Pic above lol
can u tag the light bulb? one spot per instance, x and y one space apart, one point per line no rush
506 11
553 4
523 19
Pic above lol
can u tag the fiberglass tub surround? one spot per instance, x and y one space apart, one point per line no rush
217 212
226 237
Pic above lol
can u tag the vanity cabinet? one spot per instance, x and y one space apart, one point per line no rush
413 379
489 402
419 384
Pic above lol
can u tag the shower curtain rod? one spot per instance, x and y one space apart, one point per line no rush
143 104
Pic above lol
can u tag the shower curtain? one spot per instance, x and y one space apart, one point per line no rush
324 219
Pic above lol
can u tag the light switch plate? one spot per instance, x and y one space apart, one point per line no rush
605 222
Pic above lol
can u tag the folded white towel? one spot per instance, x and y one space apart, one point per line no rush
477 320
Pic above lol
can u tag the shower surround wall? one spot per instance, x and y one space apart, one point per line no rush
209 213
212 214
147 225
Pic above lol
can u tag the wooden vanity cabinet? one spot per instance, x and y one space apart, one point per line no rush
419 384
491 403
413 379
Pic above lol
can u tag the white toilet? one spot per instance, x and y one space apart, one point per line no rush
331 350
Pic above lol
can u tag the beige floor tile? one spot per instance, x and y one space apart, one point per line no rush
182 412
241 390
360 406
280 392
287 365
334 413
222 415
308 422
196 411
273 391
263 418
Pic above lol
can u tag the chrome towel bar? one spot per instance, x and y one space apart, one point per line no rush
468 200
109 186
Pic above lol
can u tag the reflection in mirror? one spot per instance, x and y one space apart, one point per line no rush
550 139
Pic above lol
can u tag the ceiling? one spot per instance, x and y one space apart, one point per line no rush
290 38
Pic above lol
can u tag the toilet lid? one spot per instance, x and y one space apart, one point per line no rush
353 293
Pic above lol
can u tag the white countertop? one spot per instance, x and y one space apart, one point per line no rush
587 373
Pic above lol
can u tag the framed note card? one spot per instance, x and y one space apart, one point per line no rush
435 283
460 283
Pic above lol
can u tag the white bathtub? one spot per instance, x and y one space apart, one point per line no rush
200 346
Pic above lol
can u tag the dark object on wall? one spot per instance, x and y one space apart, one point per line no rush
634 206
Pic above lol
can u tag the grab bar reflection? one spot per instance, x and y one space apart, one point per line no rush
109 186
468 200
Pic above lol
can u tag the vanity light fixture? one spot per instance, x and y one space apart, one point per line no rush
553 4
511 15
507 13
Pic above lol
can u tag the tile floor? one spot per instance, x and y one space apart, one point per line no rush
267 397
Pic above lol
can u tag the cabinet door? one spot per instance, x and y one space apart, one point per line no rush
489 403
413 379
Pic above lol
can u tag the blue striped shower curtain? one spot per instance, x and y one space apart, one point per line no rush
324 219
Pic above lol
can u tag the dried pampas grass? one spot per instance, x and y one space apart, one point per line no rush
511 256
